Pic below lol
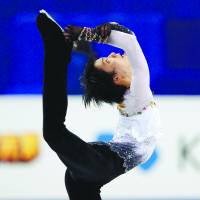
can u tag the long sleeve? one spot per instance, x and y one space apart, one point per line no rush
129 43
139 95
120 37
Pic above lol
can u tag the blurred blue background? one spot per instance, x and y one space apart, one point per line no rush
168 31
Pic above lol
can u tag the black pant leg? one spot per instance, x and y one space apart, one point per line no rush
80 190
74 152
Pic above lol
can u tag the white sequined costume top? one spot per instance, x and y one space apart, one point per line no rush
138 127
139 121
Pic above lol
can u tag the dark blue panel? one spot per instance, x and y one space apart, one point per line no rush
183 43
161 27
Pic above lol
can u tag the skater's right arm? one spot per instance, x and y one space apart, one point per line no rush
117 36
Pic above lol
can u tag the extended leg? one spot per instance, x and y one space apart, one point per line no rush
74 152
79 190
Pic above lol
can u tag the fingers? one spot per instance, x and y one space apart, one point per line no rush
67 34
73 32
68 29
105 30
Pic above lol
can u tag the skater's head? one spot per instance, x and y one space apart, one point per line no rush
106 79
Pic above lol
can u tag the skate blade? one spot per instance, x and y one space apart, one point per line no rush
51 18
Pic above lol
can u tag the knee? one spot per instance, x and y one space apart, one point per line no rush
78 189
70 183
49 138
46 135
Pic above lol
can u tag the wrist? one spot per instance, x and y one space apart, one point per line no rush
91 35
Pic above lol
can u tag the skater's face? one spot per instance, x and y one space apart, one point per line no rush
115 63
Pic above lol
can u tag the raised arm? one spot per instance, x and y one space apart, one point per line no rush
128 42
121 37
115 35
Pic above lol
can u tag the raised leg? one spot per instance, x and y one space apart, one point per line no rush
76 154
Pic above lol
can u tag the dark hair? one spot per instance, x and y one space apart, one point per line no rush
99 86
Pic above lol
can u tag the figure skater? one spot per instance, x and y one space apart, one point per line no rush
121 79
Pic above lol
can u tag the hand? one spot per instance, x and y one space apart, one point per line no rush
72 32
104 30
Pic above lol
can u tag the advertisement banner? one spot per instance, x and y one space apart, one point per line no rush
30 169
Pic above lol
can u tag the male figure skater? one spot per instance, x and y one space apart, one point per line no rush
113 79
